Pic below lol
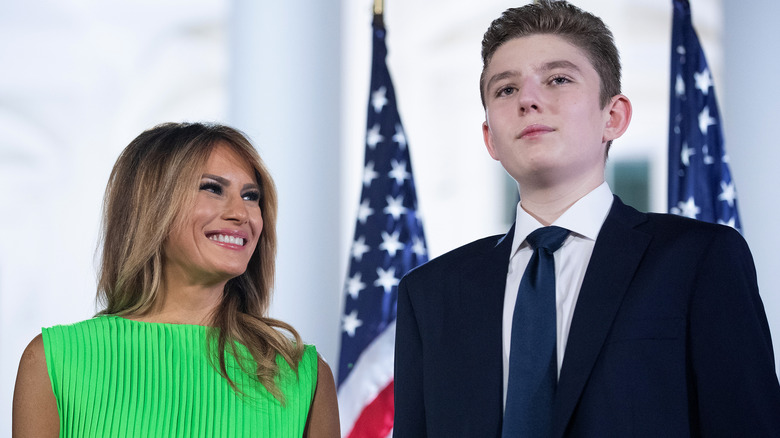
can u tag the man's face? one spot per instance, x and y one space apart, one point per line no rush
544 121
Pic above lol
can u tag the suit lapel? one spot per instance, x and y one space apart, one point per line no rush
616 256
486 285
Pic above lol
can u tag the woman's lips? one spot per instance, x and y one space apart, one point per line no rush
228 237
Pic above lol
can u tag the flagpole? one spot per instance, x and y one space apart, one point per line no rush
379 10
388 242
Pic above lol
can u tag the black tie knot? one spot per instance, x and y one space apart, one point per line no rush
549 238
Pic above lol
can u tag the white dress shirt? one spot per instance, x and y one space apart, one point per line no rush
584 219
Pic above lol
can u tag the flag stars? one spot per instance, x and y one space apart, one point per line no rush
364 211
399 173
728 193
379 99
419 216
351 323
685 154
355 285
732 222
399 136
359 248
418 247
391 243
369 174
373 137
708 159
703 81
679 86
705 120
688 208
387 279
395 207
699 179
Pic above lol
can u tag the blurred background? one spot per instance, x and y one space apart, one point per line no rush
80 79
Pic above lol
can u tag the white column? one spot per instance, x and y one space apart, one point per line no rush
284 93
750 109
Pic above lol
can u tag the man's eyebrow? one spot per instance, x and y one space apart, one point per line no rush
501 76
552 65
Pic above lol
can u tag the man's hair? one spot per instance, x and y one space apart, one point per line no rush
580 28
151 190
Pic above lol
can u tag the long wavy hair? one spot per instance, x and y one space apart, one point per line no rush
150 190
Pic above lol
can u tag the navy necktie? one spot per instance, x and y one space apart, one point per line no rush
533 364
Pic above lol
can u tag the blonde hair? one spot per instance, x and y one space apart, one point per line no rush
153 183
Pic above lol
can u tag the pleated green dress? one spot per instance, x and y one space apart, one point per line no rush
113 377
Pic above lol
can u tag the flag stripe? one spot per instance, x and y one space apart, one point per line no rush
372 372
376 420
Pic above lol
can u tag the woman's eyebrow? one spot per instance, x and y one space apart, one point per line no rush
225 182
216 178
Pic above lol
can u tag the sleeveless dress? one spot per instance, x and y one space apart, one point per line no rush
113 377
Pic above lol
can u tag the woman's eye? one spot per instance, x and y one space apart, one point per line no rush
251 196
211 187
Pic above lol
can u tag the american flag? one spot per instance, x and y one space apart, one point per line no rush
700 184
389 241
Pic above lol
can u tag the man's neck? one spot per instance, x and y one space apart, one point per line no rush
547 204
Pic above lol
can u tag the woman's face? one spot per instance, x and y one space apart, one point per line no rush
218 235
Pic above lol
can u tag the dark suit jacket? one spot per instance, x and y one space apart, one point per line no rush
669 338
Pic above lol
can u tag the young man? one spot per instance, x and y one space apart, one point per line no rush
657 327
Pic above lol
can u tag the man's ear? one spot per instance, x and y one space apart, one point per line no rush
618 116
488 137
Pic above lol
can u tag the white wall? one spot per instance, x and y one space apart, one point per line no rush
750 108
78 81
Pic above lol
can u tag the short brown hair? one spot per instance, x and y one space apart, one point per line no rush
580 28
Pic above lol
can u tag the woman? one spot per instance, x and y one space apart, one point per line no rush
183 346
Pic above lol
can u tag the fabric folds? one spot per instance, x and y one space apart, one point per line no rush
115 377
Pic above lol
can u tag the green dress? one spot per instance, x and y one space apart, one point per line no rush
113 377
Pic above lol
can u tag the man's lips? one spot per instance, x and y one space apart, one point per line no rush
534 130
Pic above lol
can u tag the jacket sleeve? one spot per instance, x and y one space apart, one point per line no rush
730 347
409 402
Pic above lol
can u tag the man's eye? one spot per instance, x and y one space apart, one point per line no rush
211 187
251 196
506 91
560 80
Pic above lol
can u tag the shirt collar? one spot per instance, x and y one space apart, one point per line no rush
584 218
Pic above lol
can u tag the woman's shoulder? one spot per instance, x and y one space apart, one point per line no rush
33 355
34 406
323 417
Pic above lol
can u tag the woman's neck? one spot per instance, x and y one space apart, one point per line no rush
183 304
